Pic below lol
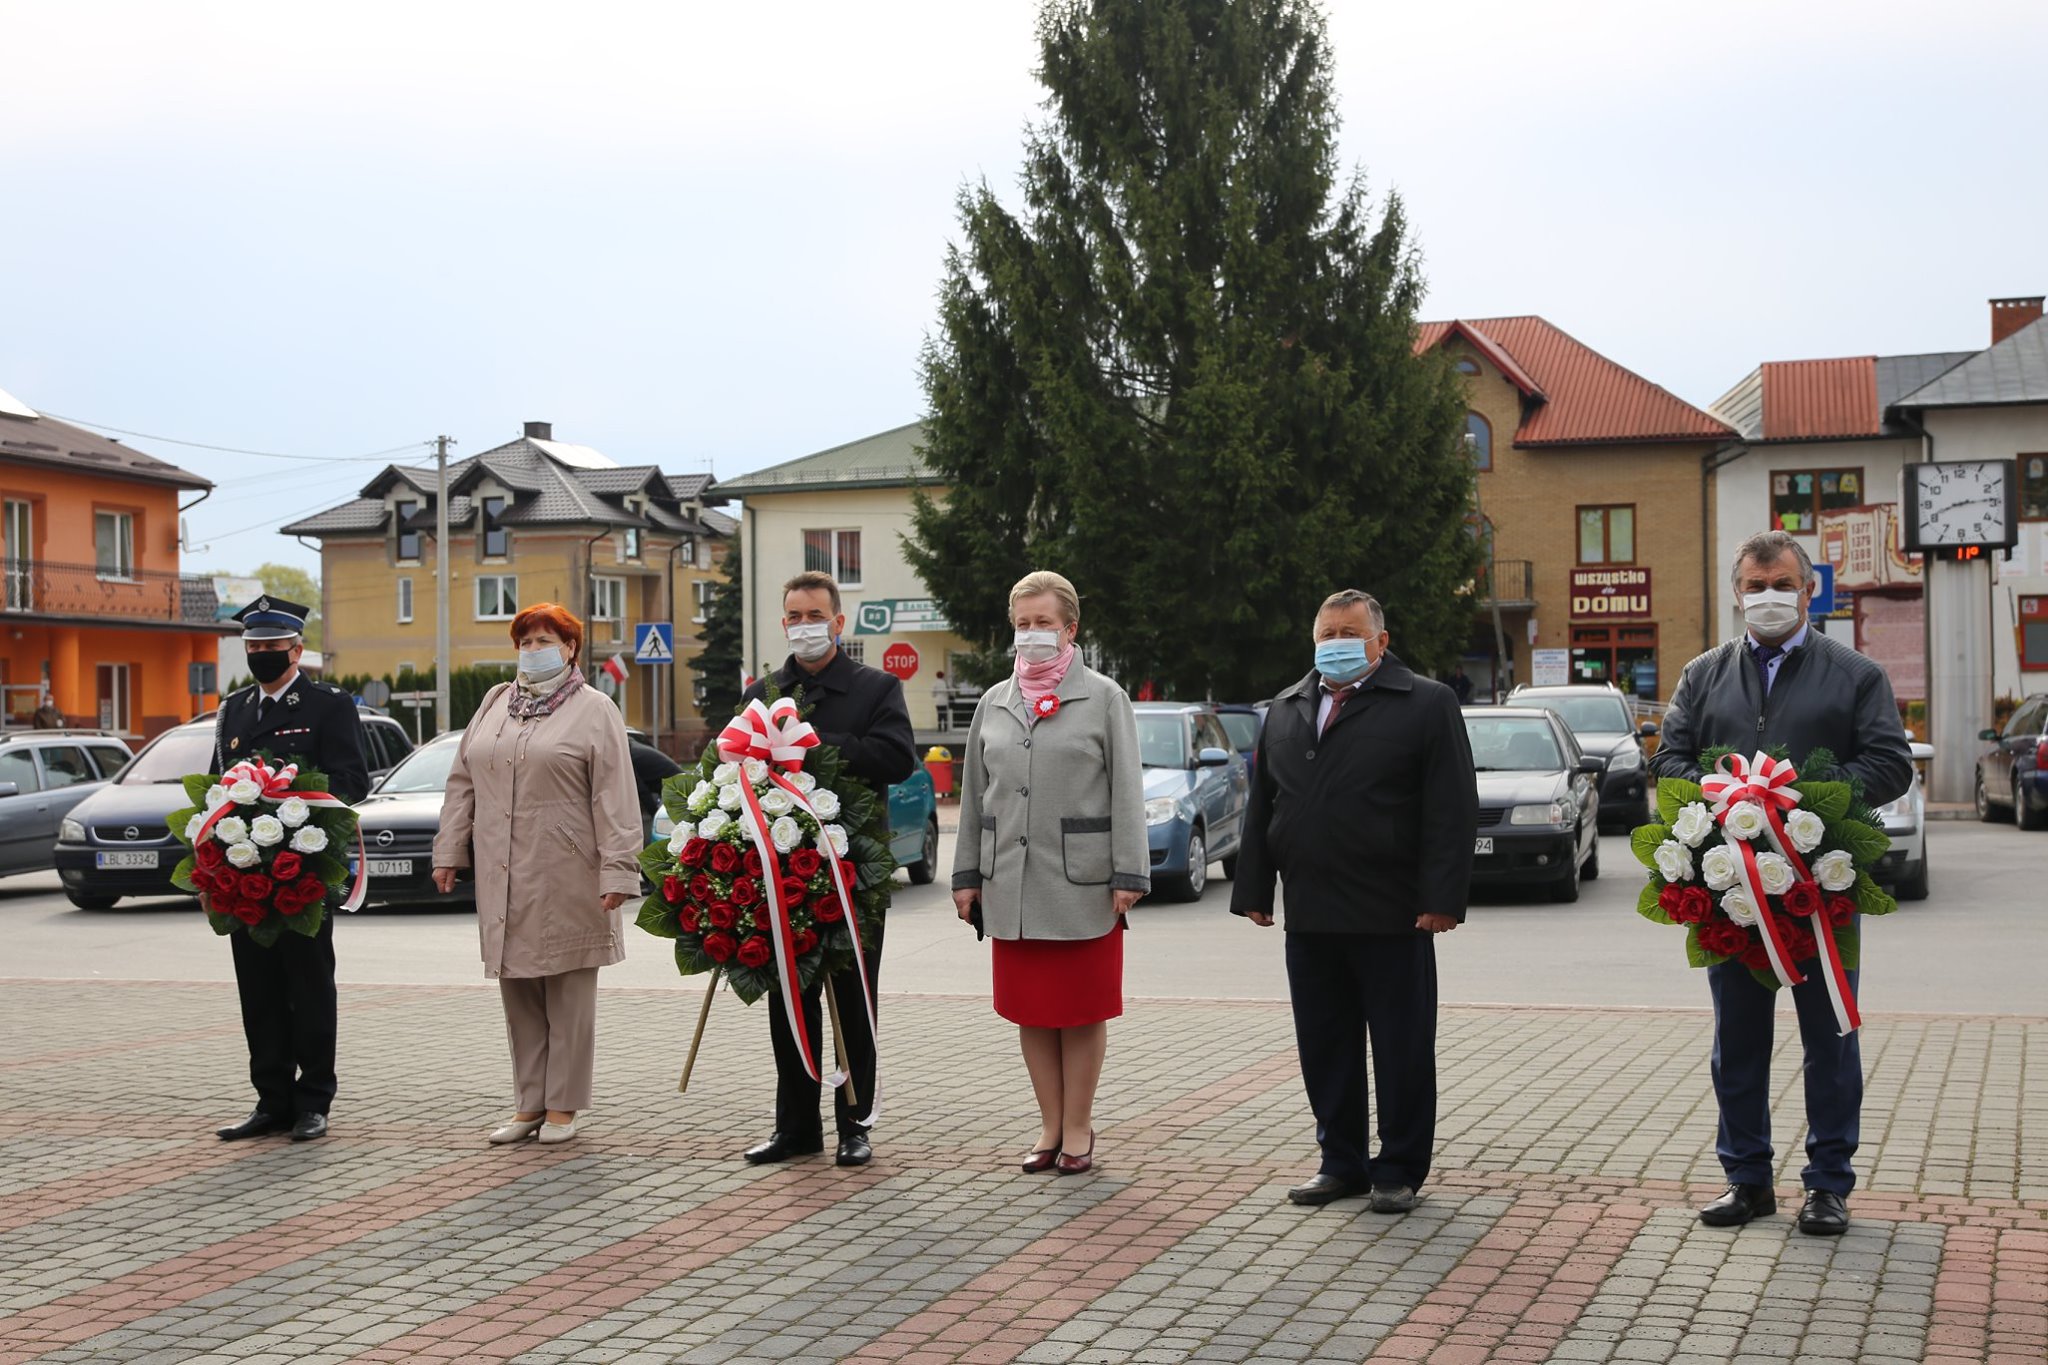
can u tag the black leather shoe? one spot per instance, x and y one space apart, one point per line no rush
854 1150
256 1125
1326 1187
1825 1214
781 1147
309 1127
1740 1204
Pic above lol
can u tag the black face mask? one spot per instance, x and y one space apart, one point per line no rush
268 665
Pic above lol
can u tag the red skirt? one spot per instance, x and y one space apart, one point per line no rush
1060 983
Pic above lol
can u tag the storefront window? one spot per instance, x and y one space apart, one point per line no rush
1799 496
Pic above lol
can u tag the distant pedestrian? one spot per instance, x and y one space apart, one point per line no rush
1461 685
1782 683
1364 803
1053 854
942 700
541 807
47 716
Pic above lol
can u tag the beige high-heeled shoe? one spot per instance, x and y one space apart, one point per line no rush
516 1130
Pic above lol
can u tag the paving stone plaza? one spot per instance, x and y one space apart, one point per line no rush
1573 1144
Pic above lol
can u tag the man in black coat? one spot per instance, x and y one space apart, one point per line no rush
287 989
861 712
1364 803
1784 684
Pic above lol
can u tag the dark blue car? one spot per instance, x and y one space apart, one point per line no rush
1197 788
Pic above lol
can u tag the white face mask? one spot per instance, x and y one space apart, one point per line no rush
1037 646
536 663
810 641
1772 612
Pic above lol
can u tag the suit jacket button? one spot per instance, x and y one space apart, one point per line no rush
1027 743
1023 839
1311 753
1023 791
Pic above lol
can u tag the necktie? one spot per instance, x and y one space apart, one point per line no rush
1764 654
1338 696
263 705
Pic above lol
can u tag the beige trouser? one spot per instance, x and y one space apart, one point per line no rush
551 1022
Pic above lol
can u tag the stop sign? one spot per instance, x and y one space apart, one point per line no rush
900 661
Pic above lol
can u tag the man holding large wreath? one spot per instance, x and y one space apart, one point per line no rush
1784 685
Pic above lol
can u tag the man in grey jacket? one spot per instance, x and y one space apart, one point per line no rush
1783 683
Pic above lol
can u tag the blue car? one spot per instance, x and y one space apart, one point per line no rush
1197 789
1243 722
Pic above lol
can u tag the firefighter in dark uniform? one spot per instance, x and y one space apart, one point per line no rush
287 989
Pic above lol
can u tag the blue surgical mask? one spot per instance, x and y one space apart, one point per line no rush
536 663
1342 661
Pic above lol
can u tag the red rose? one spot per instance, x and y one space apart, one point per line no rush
1802 899
718 947
254 886
827 910
755 952
745 891
1694 906
721 915
846 871
286 866
805 941
794 891
1755 958
700 887
210 853
249 914
1669 899
762 918
308 889
672 889
725 859
689 919
1841 910
695 852
1797 939
752 863
1723 937
804 862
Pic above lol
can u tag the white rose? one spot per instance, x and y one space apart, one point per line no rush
1806 830
1721 867
803 782
192 827
725 774
680 836
244 855
731 798
1745 821
703 797
756 771
786 834
1774 872
245 793
1835 871
1694 823
266 831
1736 905
826 804
293 812
216 797
775 801
231 829
837 834
1674 861
713 825
309 839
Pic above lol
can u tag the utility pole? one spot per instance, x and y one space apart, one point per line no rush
442 647
1500 639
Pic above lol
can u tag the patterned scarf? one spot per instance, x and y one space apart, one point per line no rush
530 700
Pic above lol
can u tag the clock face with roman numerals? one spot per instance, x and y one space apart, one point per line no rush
1958 503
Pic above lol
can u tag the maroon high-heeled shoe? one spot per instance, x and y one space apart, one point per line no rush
1076 1165
1041 1161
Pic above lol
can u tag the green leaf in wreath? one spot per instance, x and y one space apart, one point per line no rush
1646 902
1871 898
197 785
181 875
1849 944
309 782
178 819
1645 840
219 923
1766 978
1828 800
1865 844
1673 795
307 921
748 983
1694 953
658 917
266 931
328 868
656 862
690 956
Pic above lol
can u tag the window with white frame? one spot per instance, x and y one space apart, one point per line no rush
608 605
404 601
705 590
834 552
113 544
497 597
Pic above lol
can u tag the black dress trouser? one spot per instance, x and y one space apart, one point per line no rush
1348 989
288 1009
796 1094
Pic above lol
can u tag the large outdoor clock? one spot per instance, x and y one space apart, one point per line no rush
1959 504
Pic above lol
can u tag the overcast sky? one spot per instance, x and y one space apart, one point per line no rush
708 236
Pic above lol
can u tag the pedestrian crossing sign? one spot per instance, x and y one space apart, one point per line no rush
654 642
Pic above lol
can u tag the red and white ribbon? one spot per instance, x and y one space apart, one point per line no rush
1767 783
274 786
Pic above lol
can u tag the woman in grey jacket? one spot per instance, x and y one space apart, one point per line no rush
1052 848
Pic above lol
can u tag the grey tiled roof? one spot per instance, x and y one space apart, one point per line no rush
46 440
361 514
2013 371
628 479
1899 375
888 459
720 523
688 487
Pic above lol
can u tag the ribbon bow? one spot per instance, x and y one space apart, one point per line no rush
273 782
1762 779
774 734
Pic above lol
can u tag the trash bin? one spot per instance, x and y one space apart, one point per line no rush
938 761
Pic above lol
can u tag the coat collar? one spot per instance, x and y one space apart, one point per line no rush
1078 685
836 676
1391 676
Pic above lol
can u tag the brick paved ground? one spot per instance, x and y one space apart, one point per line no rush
1573 1144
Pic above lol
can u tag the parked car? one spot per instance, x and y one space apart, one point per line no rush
117 842
1197 790
913 826
1539 801
1599 718
1243 722
1904 865
2013 774
385 742
398 820
43 775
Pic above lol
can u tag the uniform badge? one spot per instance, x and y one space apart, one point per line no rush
291 699
235 743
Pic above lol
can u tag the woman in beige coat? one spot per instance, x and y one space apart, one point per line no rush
541 805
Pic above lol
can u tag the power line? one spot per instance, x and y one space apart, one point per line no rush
237 450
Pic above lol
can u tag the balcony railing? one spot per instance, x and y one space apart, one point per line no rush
42 588
1515 580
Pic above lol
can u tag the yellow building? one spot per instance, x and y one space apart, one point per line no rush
534 520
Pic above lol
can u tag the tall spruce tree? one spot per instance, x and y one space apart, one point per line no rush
1184 375
723 656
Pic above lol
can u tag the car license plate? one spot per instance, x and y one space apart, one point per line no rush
390 867
1481 846
129 858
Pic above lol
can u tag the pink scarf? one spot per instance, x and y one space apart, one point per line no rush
1041 680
